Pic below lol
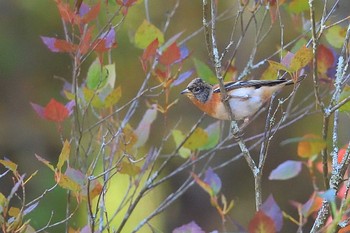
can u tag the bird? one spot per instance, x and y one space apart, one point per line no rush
245 97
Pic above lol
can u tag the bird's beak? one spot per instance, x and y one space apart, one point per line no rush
186 91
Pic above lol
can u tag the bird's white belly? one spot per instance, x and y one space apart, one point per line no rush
245 102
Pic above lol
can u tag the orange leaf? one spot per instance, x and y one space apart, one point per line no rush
310 145
203 185
261 223
312 205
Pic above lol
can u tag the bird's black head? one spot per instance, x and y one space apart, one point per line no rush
198 89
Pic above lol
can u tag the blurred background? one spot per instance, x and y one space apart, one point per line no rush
27 71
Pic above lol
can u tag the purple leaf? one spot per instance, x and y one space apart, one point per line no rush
184 52
84 9
70 105
39 110
191 227
109 36
50 43
286 170
271 209
213 180
182 77
143 129
329 195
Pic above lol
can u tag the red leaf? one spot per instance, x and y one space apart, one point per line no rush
85 41
325 59
170 55
57 45
55 111
105 42
261 223
67 14
126 3
64 46
151 50
92 14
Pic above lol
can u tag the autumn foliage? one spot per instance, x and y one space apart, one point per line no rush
141 141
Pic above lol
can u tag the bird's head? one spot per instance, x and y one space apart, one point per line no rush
199 90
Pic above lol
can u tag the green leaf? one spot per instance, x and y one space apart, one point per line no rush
111 75
197 139
335 36
146 33
298 6
179 137
213 132
204 72
97 75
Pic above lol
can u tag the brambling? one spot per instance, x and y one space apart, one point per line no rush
245 97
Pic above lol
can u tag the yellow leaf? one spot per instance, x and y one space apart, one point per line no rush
44 161
278 66
3 200
178 138
92 97
14 211
64 156
9 165
270 73
311 145
301 58
69 95
146 33
129 168
198 139
129 138
113 97
67 183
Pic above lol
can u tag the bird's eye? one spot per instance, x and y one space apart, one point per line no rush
196 89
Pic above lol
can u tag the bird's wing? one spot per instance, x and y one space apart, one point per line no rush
250 83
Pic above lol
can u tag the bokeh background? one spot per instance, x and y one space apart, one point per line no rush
27 71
